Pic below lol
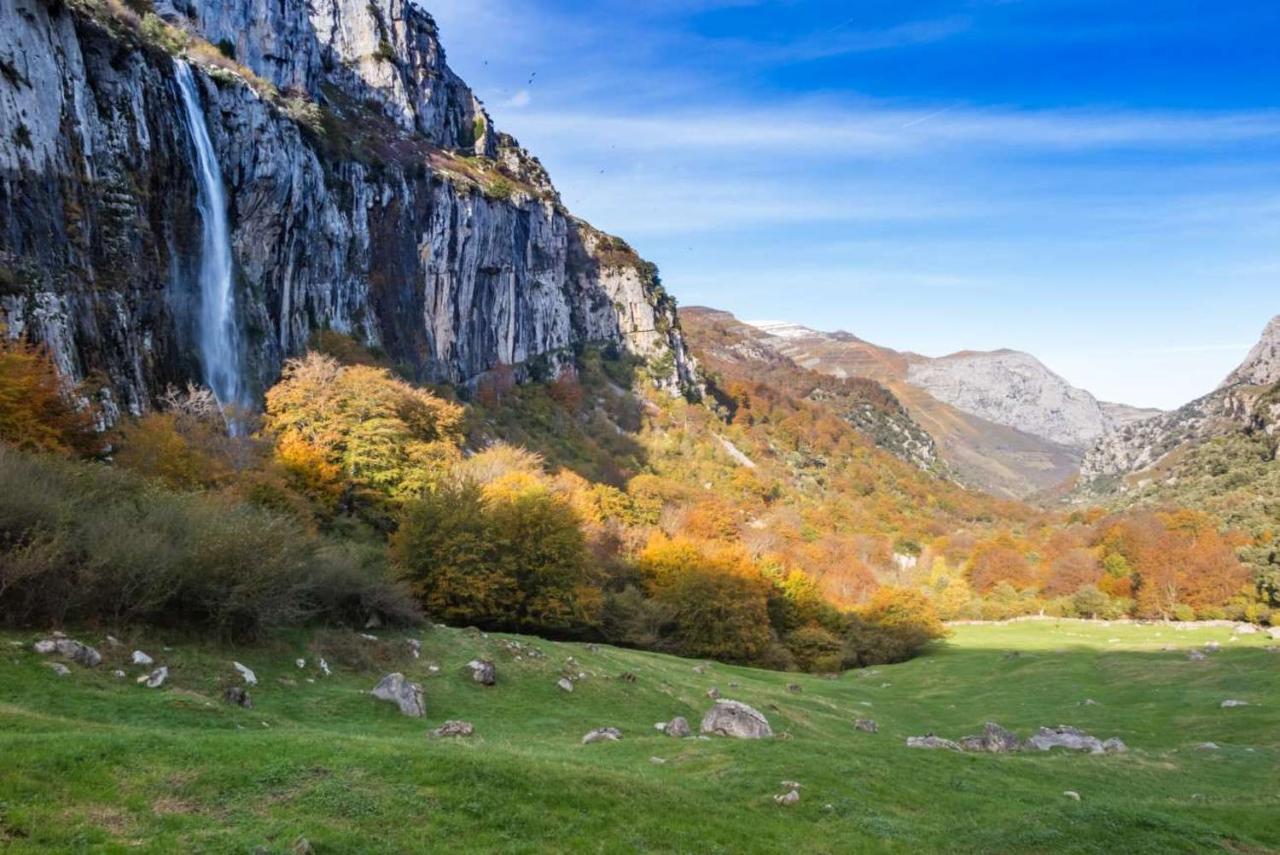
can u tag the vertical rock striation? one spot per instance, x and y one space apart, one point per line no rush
367 192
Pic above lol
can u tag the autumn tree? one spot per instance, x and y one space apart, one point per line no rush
35 412
718 600
998 560
388 438
505 560
892 627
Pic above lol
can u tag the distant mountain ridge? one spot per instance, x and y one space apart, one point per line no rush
1003 421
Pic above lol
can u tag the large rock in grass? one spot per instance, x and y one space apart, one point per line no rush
736 719
81 654
993 739
404 694
483 672
1073 739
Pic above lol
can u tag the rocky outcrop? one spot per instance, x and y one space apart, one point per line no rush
368 193
1262 366
1248 402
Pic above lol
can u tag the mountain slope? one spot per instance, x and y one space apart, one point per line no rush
1220 453
982 452
724 344
367 191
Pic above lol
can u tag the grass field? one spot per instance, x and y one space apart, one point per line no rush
91 762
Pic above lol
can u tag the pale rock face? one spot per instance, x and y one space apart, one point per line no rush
1013 389
98 213
1262 366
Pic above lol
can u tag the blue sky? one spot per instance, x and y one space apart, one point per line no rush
1094 181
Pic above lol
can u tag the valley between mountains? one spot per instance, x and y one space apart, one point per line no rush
357 495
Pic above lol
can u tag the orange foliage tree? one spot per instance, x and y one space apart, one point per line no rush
35 412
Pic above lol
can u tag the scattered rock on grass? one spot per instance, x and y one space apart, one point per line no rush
302 846
404 694
866 725
1073 739
794 688
238 697
1196 655
1207 746
483 672
1273 631
677 728
602 734
140 658
931 741
713 693
1231 703
247 673
81 654
452 728
994 739
324 667
565 684
58 668
156 678
735 719
1071 794
788 798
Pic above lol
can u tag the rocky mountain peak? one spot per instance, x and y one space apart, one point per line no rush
1262 366
1013 388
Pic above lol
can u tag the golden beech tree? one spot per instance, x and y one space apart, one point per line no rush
719 600
386 436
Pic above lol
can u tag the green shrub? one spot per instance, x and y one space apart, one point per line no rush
85 543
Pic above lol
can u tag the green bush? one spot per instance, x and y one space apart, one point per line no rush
84 543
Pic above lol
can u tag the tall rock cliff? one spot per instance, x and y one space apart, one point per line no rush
367 192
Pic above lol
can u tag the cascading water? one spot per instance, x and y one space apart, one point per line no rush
218 333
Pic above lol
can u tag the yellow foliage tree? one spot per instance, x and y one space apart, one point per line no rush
388 438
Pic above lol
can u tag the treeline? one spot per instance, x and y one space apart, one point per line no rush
352 498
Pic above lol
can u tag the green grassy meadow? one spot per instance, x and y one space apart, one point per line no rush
94 763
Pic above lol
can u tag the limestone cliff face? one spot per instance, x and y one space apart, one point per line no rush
368 193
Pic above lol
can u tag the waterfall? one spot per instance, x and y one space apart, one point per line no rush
218 333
